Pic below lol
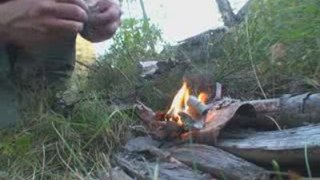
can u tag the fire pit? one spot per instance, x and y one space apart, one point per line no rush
223 137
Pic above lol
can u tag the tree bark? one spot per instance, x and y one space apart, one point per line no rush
139 167
287 147
229 18
285 112
217 162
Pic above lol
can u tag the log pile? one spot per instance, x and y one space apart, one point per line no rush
260 139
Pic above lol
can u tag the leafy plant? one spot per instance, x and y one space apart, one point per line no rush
281 42
117 72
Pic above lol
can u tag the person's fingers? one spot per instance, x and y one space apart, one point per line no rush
117 2
104 5
61 25
69 12
80 3
110 29
105 32
106 17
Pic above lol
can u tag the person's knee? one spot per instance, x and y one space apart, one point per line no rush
52 64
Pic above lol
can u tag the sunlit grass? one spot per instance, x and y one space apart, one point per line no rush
55 147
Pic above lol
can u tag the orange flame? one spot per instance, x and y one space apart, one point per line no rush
179 103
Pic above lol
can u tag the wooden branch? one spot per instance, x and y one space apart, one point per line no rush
130 168
286 146
217 162
229 18
244 11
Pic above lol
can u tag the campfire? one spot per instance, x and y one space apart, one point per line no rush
192 116
186 108
222 145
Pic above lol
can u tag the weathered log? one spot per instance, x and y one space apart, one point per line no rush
287 111
217 162
287 147
141 144
115 173
139 167
118 174
131 167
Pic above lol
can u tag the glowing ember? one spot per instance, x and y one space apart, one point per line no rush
203 97
179 104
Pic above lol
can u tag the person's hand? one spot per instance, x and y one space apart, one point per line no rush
104 20
29 22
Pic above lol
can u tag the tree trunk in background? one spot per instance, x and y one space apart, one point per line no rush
146 21
208 45
144 12
229 18
243 11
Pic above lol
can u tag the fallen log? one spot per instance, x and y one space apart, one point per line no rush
286 112
218 162
139 167
117 174
207 159
287 147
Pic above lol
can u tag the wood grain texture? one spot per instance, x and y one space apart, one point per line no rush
217 162
285 146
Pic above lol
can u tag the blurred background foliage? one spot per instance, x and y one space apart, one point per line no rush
279 40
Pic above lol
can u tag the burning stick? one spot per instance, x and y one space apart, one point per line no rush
195 103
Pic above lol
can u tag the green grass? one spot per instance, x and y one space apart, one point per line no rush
54 147
293 67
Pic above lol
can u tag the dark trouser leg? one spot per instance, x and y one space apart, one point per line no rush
40 72
8 96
